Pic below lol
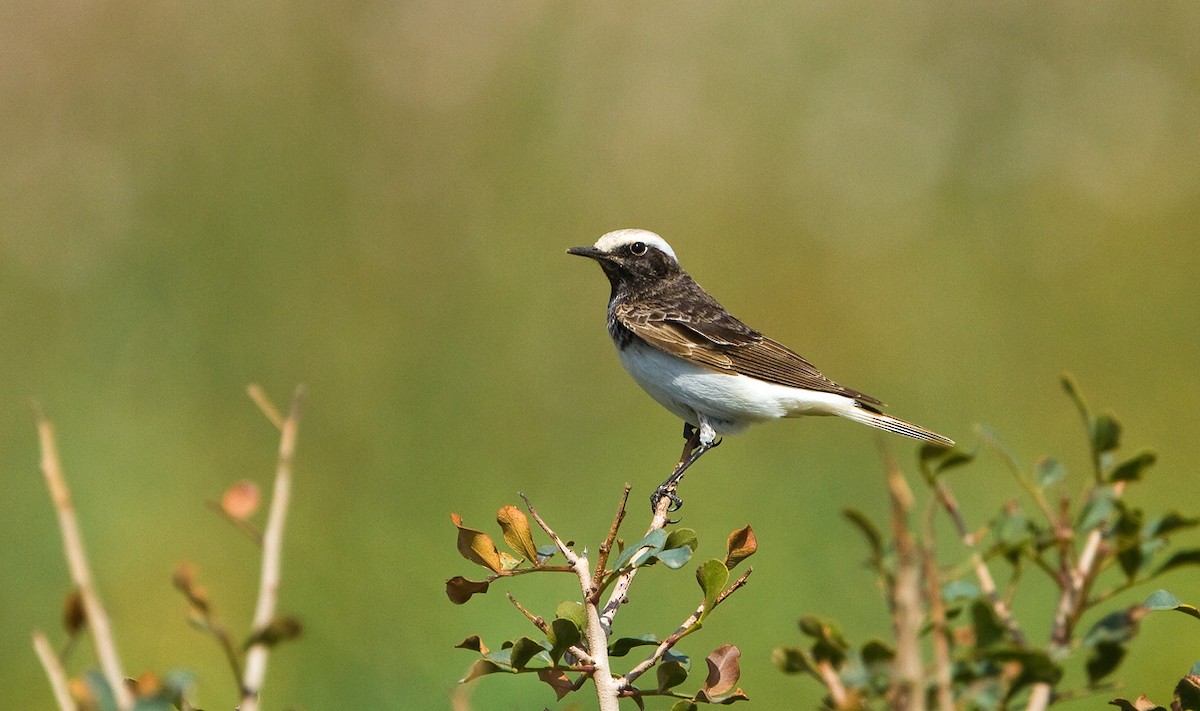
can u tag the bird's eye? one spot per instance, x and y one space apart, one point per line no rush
638 248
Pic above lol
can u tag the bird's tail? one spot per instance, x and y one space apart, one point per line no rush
874 418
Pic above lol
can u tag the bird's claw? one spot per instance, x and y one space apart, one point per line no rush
661 493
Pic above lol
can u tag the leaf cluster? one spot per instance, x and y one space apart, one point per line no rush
1092 544
560 655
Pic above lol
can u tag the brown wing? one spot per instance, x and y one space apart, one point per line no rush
719 341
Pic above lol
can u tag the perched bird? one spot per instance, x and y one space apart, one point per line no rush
713 371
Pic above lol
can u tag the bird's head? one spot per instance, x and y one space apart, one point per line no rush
632 258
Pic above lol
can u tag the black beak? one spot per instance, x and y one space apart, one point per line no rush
589 252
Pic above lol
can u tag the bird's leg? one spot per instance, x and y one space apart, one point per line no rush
698 442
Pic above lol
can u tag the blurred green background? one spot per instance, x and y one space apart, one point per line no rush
944 205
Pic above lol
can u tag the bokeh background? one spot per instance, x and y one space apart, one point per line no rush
945 205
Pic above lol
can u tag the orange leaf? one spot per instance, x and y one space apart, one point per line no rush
477 546
723 669
741 545
241 500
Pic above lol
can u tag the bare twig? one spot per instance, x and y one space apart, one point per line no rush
606 547
97 618
943 675
268 593
578 652
987 584
907 691
260 398
242 525
682 631
1074 585
54 672
621 588
608 692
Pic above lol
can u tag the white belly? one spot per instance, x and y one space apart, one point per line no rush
731 402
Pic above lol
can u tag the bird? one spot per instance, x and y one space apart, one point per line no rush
704 365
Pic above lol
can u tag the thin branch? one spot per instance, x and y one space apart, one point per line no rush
54 672
621 588
268 592
943 675
608 692
907 690
606 547
833 682
97 618
242 525
260 398
578 652
1075 583
685 628
987 584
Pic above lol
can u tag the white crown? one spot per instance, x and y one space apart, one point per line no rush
616 239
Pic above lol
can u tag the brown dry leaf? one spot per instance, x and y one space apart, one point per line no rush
241 500
476 546
74 614
723 669
557 681
517 533
459 589
741 545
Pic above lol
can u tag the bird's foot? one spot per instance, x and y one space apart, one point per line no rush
666 491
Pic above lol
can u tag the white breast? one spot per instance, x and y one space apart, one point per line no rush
733 402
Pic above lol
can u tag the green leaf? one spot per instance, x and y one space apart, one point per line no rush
829 645
1104 660
1036 665
871 532
480 668
622 645
1169 523
526 651
935 459
1099 508
563 634
1072 390
989 630
675 558
1179 559
640 552
1106 433
673 670
1049 471
281 628
681 537
684 705
573 612
1117 627
957 590
1128 531
877 652
793 660
712 576
1131 469
1163 600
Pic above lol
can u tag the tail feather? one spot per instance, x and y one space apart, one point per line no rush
893 424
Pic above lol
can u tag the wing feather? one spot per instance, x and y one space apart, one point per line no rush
714 339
